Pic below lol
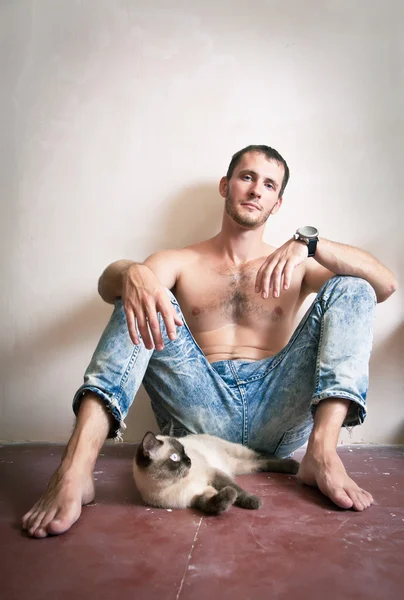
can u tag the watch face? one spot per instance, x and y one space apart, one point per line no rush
308 231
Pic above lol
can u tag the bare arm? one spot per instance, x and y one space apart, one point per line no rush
166 266
331 259
110 282
142 287
341 259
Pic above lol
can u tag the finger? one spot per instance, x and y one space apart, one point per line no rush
258 278
266 278
144 330
154 326
168 315
131 321
287 275
177 319
276 279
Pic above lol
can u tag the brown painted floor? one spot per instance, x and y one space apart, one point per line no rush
297 546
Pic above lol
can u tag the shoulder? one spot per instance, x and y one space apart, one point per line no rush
168 265
166 256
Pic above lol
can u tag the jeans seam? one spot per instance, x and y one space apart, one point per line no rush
243 402
320 340
245 416
135 353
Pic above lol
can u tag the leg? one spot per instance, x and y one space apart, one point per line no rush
325 364
111 381
214 502
72 484
321 465
222 482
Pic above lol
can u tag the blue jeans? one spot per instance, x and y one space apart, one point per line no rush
266 404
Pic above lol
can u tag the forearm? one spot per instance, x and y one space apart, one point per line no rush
110 282
348 260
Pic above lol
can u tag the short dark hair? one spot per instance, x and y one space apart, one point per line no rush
269 153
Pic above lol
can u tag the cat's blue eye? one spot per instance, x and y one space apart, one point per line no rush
175 457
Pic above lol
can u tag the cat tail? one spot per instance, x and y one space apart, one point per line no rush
277 465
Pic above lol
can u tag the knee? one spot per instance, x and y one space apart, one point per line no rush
355 287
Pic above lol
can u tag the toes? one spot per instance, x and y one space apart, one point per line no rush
63 520
26 519
47 519
40 533
341 498
368 497
35 522
361 499
58 526
358 503
30 521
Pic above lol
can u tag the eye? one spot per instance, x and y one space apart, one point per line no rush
269 185
247 177
175 457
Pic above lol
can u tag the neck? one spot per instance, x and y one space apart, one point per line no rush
237 244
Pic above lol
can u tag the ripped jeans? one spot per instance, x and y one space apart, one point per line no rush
266 404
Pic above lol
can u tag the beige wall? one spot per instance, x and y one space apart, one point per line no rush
118 119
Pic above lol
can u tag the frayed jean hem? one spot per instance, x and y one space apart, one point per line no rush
112 406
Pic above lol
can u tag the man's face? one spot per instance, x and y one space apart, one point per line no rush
252 192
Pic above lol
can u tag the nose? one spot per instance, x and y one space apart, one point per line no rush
255 190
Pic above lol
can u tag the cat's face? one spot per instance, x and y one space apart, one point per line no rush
163 458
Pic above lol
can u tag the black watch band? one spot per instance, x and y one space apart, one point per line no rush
312 246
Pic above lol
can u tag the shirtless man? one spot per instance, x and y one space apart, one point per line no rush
218 354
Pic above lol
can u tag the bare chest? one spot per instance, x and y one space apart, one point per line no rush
211 298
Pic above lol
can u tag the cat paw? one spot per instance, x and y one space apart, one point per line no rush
223 500
249 501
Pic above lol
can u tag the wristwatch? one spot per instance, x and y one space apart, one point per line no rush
308 235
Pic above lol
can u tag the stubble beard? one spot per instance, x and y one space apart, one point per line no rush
251 221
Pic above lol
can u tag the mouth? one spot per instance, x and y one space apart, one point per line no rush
251 205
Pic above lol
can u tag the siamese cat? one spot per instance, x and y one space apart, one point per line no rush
198 470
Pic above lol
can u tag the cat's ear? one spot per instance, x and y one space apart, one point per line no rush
150 444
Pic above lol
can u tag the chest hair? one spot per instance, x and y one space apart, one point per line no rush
239 299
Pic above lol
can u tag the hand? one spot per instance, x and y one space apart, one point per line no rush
279 267
143 297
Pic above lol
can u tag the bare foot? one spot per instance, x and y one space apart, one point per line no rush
327 472
60 506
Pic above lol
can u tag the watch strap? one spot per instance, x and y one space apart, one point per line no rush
312 246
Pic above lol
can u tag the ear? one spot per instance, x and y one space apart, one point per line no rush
223 187
277 206
150 444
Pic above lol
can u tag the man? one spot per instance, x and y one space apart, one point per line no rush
217 353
